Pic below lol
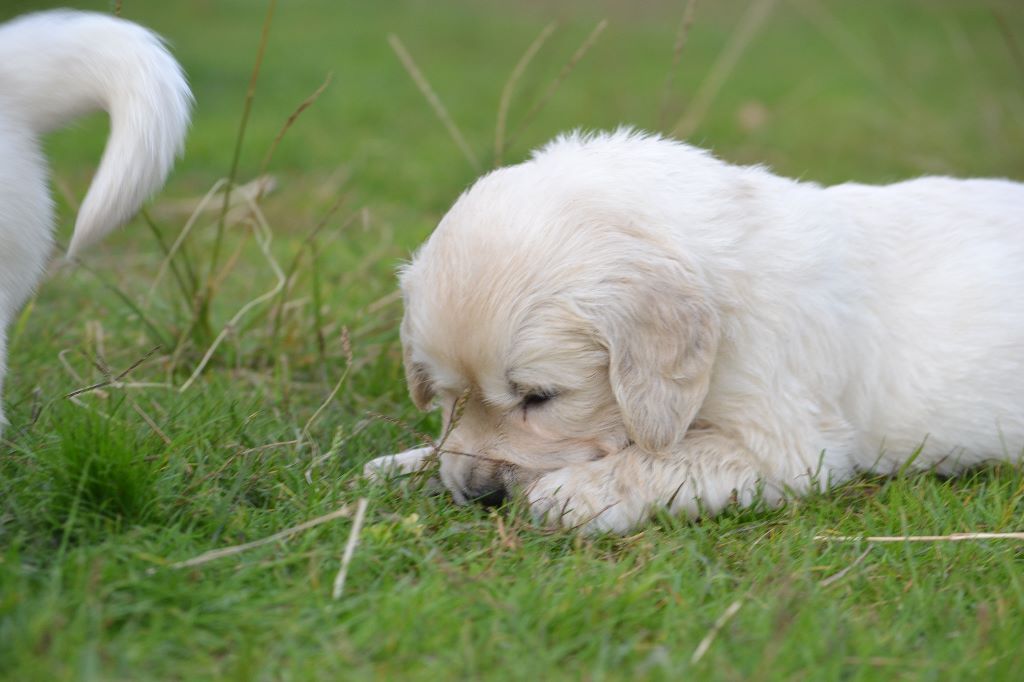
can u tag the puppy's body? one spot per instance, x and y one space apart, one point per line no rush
54 67
708 332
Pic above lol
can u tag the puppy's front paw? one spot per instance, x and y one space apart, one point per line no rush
580 499
407 462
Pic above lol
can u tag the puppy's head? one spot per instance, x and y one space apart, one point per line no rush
552 324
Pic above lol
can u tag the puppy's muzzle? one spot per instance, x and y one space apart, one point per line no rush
494 498
484 482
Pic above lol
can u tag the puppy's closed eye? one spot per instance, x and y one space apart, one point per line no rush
538 397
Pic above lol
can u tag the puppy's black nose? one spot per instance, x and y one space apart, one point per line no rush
494 498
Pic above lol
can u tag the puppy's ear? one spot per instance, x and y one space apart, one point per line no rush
661 334
419 384
416 376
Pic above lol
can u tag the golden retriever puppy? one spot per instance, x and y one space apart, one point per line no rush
625 323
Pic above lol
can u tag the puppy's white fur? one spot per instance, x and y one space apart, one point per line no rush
54 67
711 333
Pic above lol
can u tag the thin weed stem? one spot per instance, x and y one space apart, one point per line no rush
539 105
682 35
289 122
723 67
510 84
433 100
239 141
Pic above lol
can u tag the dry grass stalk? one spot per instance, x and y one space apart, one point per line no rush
383 302
215 554
705 643
95 329
337 387
263 236
337 443
539 105
199 209
305 104
723 67
113 380
62 358
350 548
832 579
260 186
220 277
197 482
75 400
151 423
292 272
510 84
242 125
677 54
508 537
1010 39
432 99
408 428
952 537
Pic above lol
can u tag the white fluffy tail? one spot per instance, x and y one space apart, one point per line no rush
58 65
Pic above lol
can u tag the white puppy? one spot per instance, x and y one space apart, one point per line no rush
54 67
624 323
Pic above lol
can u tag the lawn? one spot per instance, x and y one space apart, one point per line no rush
106 496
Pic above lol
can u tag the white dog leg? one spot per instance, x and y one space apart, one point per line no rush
619 492
408 462
3 371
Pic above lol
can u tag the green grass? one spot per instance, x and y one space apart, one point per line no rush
101 494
